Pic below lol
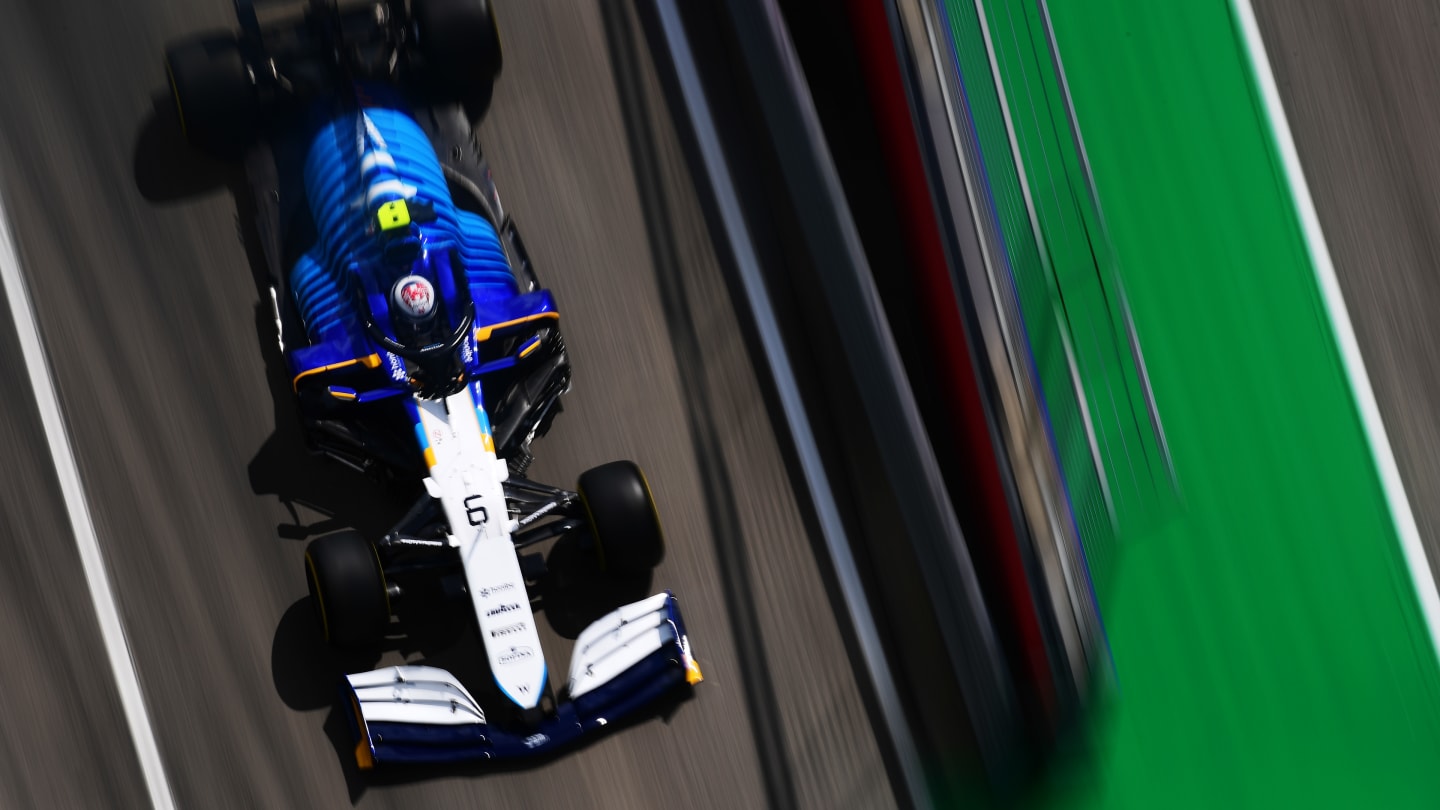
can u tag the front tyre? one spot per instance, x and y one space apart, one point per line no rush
622 517
347 589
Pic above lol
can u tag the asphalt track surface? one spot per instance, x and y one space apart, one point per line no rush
1361 86
202 501
147 310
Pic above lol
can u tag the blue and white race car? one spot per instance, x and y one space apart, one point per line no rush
422 347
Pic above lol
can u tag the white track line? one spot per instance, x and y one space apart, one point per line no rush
1380 447
112 631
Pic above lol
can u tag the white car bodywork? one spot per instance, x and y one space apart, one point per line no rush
467 478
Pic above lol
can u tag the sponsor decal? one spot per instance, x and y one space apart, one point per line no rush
504 587
498 609
397 367
415 297
509 630
516 655
415 541
536 740
538 513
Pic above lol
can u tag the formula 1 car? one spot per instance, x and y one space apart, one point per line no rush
422 346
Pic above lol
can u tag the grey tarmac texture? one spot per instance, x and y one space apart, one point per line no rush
1361 86
149 314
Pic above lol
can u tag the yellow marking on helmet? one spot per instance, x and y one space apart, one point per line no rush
392 215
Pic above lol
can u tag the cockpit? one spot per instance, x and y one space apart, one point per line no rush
417 308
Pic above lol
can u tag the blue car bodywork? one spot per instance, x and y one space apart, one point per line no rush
378 209
356 165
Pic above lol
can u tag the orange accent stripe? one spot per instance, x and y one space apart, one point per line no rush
370 361
345 395
483 333
429 457
364 758
526 352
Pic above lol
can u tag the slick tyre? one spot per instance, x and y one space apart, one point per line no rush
347 589
622 517
460 45
215 95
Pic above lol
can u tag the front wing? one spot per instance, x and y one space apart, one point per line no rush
623 662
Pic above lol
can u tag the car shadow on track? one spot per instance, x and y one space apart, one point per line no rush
167 171
308 484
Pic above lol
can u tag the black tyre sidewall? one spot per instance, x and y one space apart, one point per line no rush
622 517
460 44
215 98
345 580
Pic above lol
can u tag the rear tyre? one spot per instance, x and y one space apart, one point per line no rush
460 44
215 94
622 517
347 588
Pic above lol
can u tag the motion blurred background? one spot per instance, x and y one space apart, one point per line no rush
1023 434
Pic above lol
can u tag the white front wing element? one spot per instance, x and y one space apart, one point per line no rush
605 650
468 479
414 695
618 641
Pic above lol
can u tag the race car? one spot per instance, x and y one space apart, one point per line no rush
422 348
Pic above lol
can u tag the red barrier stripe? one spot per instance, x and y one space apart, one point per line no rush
940 311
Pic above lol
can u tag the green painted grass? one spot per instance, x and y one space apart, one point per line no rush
1268 645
